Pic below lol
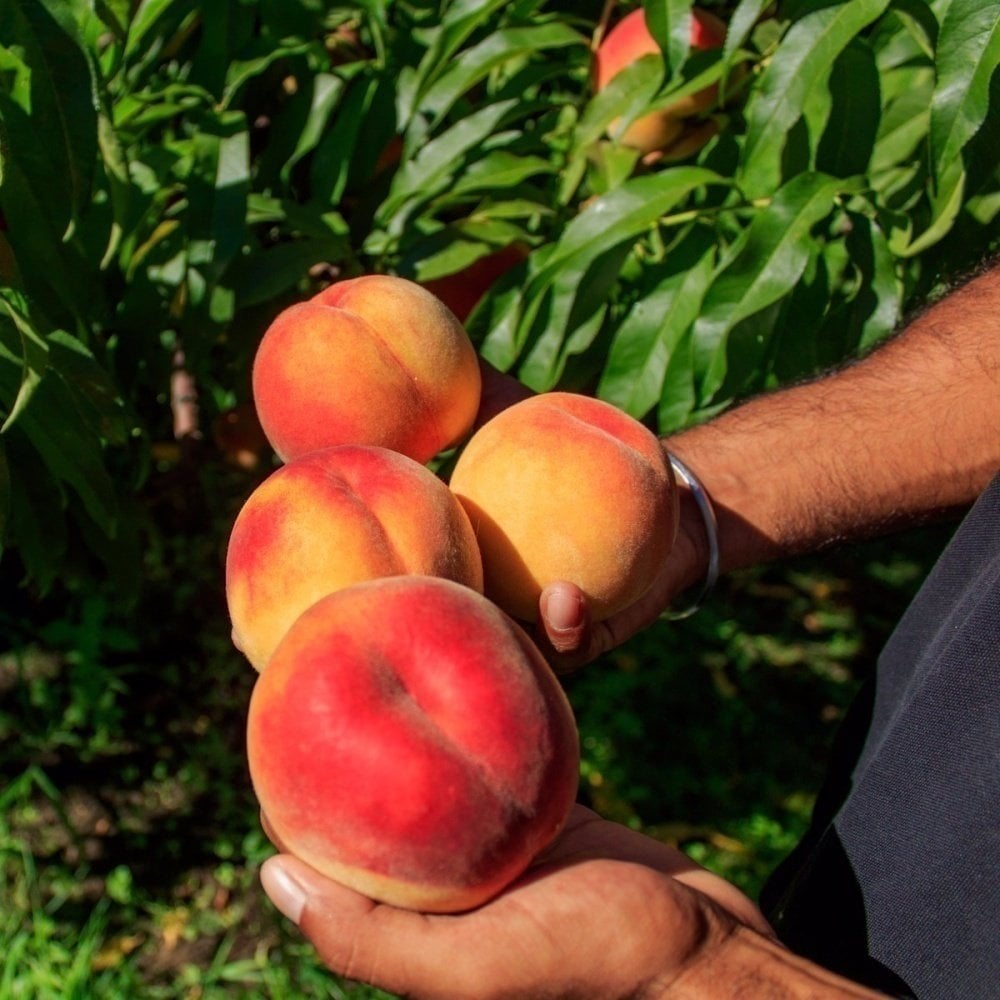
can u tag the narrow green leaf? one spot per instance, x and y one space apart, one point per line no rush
334 153
767 265
848 140
434 167
498 171
145 19
327 90
268 274
678 397
626 96
460 20
56 428
741 24
52 130
564 290
877 307
642 346
968 54
946 204
217 193
669 22
806 54
905 120
475 64
34 353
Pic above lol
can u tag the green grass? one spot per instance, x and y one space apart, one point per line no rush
129 837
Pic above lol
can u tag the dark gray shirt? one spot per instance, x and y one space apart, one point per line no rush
897 884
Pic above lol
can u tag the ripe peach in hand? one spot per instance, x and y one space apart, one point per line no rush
332 518
565 487
669 131
372 360
409 741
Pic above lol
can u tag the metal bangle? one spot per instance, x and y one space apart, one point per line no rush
704 502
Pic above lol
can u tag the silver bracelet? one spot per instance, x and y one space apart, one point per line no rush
704 502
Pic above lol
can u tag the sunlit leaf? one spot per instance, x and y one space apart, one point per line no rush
767 266
968 54
648 336
805 55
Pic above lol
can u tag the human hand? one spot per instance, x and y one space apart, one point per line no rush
565 631
604 912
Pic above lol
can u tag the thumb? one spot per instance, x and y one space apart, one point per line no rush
358 938
564 617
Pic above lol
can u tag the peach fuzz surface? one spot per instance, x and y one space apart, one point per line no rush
668 130
409 741
333 518
565 487
372 360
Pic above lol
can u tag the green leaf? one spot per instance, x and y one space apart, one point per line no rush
968 54
806 54
627 95
877 307
57 429
327 90
766 267
34 353
741 24
267 275
905 120
848 140
678 397
606 228
475 64
51 128
460 20
498 171
433 169
146 17
946 203
217 194
334 154
669 22
647 338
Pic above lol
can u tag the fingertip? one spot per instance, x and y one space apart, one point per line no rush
563 611
280 886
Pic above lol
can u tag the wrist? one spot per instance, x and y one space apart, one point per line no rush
743 963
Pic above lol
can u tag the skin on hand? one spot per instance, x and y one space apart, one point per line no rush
604 912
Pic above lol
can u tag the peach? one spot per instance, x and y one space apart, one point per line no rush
565 487
373 360
664 131
409 741
332 518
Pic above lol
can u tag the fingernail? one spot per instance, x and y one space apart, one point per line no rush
282 889
562 610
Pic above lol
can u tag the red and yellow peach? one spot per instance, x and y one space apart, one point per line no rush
565 487
409 741
332 518
374 360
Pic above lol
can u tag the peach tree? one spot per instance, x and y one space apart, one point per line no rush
174 173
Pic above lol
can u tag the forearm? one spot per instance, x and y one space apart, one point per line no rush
748 966
910 432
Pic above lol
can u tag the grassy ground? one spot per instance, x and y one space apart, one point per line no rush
129 843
